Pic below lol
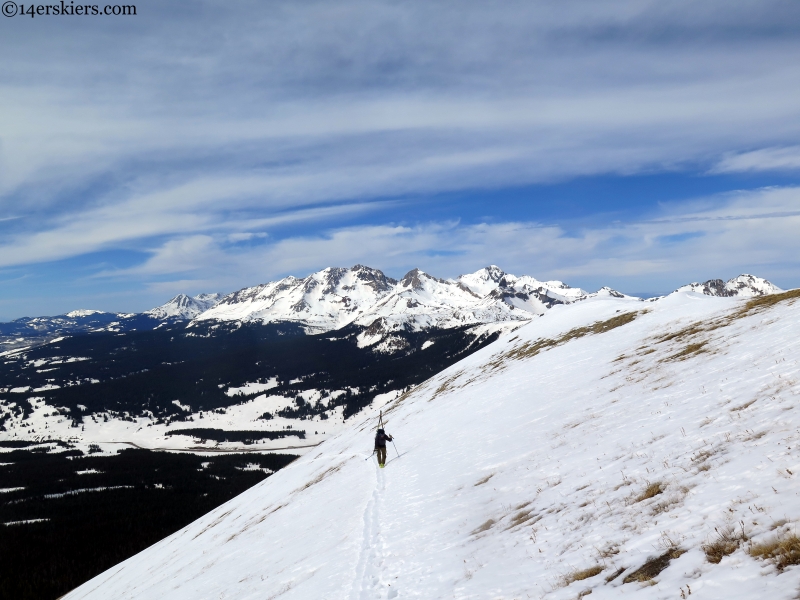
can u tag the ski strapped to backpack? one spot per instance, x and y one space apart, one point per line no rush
381 426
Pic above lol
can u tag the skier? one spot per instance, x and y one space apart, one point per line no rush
380 446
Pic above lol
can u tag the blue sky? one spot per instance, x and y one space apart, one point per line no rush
212 146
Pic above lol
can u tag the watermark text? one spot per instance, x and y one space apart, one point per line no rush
14 9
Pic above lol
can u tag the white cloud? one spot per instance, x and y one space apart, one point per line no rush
719 237
765 159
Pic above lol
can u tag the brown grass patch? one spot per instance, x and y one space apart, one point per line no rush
486 526
689 350
782 551
745 405
531 349
521 518
764 302
652 490
727 541
755 305
668 504
485 479
573 576
653 567
319 477
687 332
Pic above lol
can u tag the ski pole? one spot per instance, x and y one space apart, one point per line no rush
395 448
371 455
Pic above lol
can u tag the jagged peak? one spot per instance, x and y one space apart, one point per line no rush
414 277
744 285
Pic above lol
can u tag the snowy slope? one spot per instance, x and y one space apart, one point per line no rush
528 463
184 307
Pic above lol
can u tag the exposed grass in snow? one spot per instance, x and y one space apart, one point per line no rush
485 526
726 541
574 576
764 302
532 348
653 567
783 551
654 489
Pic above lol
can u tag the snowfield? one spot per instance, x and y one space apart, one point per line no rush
554 463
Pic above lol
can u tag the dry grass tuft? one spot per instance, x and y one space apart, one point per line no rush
690 333
782 551
521 518
581 575
654 489
653 567
687 332
728 539
319 478
531 349
485 479
764 302
667 505
484 527
689 350
744 406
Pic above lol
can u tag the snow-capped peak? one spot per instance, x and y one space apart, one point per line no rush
483 281
184 307
324 300
745 286
74 314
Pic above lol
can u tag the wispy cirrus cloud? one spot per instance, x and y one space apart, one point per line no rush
716 237
764 159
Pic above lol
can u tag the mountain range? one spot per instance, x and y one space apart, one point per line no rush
333 298
300 355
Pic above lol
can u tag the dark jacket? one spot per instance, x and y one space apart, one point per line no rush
381 439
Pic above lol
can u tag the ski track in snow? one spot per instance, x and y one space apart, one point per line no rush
369 583
523 464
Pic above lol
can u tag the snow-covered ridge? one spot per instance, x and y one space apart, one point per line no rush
184 307
326 300
83 313
335 297
560 461
746 286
